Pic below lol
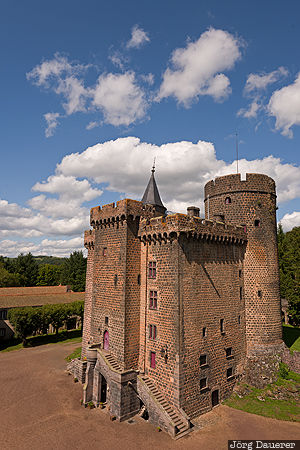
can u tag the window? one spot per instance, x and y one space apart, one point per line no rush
229 352
152 269
139 279
240 273
257 223
259 294
222 329
227 200
203 360
152 360
229 372
239 320
3 314
106 320
115 280
104 251
153 300
2 331
204 331
203 383
241 293
152 332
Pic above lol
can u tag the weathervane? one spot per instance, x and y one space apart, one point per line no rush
153 167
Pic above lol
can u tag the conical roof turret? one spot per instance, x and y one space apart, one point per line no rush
151 195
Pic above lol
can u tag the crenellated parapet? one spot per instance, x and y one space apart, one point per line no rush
227 184
89 239
117 213
163 229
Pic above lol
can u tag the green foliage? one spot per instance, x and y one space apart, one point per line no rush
74 272
49 275
289 266
283 371
30 320
27 268
24 321
8 279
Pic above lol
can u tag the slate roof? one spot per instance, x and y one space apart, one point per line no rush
151 195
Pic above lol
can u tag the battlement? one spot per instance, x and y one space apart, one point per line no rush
118 212
254 182
89 239
170 227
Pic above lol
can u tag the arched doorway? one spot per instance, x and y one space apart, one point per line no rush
103 389
106 340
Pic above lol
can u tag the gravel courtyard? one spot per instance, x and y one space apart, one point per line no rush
40 409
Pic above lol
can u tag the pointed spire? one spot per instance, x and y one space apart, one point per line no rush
151 195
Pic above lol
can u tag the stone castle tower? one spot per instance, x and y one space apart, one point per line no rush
177 305
252 204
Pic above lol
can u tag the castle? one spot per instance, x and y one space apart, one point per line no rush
178 307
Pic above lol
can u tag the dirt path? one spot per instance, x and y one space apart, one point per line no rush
40 409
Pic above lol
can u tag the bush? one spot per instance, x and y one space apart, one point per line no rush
283 371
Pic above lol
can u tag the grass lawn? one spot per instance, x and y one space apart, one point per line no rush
73 355
34 341
278 401
291 337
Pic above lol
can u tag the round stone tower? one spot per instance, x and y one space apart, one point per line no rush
252 204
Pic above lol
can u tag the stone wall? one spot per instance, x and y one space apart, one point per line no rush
77 368
292 360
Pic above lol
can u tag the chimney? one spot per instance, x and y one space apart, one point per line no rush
193 211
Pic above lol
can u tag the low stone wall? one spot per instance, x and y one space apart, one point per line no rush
77 368
291 359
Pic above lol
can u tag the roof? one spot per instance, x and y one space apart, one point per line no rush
151 195
37 296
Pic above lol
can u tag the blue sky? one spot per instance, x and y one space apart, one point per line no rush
92 91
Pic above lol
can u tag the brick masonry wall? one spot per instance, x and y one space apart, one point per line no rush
210 284
165 317
109 287
253 199
88 301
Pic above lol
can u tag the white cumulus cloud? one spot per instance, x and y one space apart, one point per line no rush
120 98
284 105
138 37
197 68
290 221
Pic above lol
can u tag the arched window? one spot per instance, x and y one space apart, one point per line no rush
227 200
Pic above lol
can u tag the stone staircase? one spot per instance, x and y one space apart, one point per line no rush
111 361
173 420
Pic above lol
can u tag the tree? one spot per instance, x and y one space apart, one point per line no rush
25 322
58 314
49 275
78 309
74 271
27 268
289 266
8 279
